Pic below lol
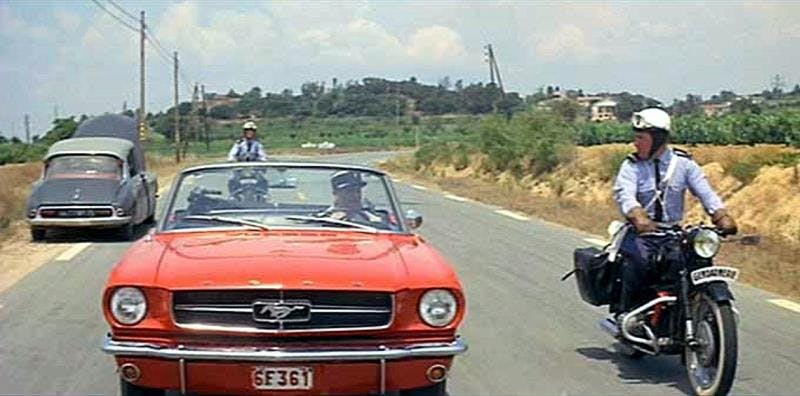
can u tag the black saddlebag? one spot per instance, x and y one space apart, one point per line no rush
595 275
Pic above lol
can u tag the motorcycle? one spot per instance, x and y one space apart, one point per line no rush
688 311
249 185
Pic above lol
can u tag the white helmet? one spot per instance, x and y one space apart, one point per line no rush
249 125
651 118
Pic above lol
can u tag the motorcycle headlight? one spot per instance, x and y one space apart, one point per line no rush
706 243
438 307
128 305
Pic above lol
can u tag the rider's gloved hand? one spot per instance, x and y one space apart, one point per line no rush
724 222
639 218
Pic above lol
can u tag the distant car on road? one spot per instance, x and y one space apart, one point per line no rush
313 283
96 179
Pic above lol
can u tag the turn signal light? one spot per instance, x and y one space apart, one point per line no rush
437 373
130 372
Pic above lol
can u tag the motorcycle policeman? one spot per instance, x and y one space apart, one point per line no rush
649 190
248 148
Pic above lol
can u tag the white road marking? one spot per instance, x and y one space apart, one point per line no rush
72 252
418 187
511 214
790 305
455 198
595 241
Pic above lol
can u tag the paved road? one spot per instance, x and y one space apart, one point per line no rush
529 333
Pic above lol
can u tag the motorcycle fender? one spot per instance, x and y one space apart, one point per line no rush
719 291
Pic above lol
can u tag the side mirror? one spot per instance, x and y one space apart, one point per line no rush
413 219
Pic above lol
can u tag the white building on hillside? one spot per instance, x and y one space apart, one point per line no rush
604 110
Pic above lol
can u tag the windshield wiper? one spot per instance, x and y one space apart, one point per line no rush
229 220
328 220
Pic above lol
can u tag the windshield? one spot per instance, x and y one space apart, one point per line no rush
84 167
270 196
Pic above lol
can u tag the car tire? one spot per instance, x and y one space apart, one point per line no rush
38 234
126 232
128 389
439 389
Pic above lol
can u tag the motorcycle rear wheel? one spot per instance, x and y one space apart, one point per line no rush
712 367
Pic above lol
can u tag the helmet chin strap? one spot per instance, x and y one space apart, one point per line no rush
659 140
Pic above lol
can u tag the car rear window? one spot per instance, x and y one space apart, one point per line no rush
84 167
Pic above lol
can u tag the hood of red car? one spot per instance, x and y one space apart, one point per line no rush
299 260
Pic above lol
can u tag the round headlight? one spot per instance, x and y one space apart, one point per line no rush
128 305
706 243
438 307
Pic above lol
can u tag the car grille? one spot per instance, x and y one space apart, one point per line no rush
280 310
74 212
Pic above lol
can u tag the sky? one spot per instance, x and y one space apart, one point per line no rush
71 57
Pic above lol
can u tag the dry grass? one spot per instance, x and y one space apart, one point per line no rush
16 179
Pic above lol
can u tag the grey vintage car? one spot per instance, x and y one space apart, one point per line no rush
96 179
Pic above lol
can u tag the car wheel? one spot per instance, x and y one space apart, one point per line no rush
128 389
439 389
126 232
38 234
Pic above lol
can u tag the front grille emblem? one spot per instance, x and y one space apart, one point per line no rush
277 311
77 195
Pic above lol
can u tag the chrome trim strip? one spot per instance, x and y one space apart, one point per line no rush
242 308
283 164
277 354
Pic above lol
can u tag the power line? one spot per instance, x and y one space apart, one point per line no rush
156 43
122 10
115 16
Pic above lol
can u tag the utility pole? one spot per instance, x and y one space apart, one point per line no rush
27 129
205 115
142 112
177 131
194 121
493 68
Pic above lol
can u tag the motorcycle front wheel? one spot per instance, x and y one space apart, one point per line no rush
712 365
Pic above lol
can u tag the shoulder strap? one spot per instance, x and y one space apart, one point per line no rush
682 153
673 164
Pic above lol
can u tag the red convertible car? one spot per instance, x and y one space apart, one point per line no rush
283 278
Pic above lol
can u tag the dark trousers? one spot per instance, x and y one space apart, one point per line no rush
638 269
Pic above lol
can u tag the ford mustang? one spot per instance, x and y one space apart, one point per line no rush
284 278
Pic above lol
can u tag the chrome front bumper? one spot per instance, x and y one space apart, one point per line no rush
139 349
80 222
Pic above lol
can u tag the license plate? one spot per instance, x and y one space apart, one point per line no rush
712 274
277 378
